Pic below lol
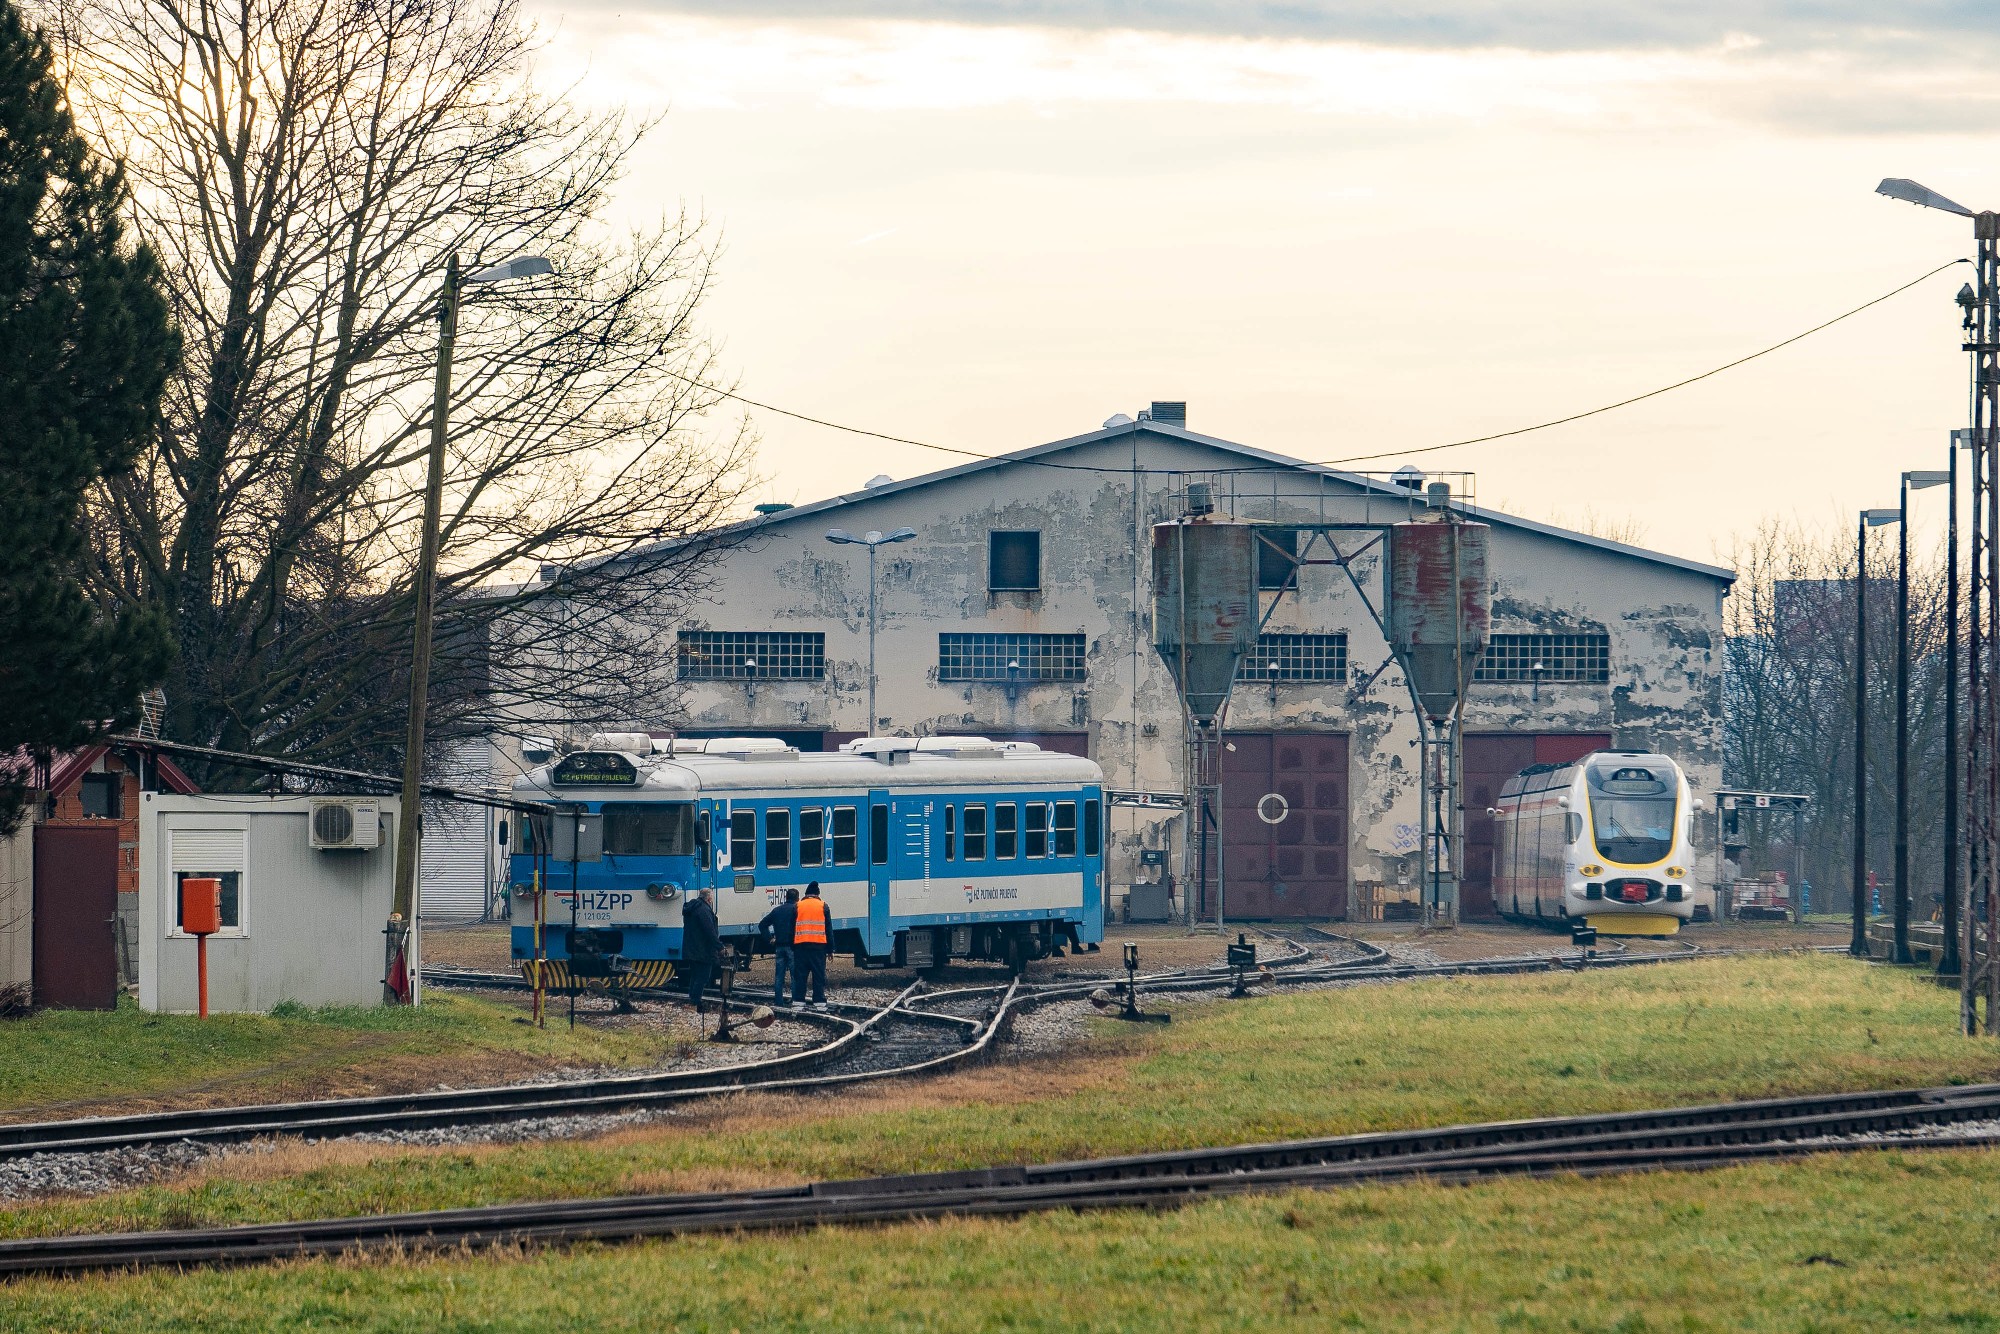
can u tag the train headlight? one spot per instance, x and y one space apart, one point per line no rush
661 893
1587 872
1677 872
522 890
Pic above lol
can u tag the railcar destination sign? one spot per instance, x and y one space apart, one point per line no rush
592 768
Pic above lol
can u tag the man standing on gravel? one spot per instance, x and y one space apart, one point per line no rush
812 932
778 922
701 945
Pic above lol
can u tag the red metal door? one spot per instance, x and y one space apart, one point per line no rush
1284 825
76 912
1490 759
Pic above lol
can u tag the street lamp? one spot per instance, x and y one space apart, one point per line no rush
870 539
396 980
1912 481
1980 305
1858 944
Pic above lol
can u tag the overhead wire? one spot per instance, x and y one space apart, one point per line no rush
976 456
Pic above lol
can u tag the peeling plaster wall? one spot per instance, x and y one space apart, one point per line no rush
1664 624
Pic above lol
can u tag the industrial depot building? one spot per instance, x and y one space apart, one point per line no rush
1021 610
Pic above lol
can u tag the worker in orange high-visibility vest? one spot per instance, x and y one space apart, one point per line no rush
812 932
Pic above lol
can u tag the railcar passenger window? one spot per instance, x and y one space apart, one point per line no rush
846 824
743 840
878 835
1065 829
777 838
1004 818
975 833
1038 829
1093 836
950 832
812 836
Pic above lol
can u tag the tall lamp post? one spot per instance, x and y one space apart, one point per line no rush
870 539
1912 481
1981 306
396 981
1858 944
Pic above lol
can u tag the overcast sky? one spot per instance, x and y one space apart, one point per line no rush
1334 229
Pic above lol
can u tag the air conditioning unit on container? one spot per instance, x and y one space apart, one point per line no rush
346 824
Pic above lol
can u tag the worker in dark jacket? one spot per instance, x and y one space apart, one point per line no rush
777 924
701 946
812 933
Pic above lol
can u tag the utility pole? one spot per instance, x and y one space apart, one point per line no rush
398 985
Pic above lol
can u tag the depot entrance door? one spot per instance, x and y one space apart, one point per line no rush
1284 825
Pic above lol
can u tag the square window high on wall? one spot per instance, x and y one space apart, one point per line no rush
1277 559
1014 562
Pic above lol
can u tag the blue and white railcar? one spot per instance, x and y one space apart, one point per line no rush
1608 838
924 849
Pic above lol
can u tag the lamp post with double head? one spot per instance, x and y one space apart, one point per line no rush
1980 305
870 539
397 983
1912 481
1858 944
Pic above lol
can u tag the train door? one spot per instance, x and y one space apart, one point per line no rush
881 870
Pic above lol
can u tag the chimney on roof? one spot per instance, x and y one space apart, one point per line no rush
1170 414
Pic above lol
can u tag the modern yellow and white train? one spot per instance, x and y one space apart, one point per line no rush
1608 838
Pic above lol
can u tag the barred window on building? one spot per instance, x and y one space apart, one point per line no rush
752 655
1585 658
965 657
1299 658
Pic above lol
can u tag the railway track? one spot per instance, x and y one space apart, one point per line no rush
1674 1138
916 1032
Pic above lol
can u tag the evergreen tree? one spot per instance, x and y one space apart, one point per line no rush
85 350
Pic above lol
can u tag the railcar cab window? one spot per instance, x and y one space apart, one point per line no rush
1632 813
812 836
845 827
1005 846
1065 829
743 840
648 829
975 833
777 838
1038 829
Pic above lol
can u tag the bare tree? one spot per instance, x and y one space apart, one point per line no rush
305 169
1789 706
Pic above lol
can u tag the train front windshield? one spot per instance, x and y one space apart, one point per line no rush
1632 814
648 829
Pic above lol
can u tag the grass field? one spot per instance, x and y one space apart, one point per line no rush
1899 1240
64 1062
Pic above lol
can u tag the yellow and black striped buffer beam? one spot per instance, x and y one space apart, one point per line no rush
638 973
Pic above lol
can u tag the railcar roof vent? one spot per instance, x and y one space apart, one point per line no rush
632 743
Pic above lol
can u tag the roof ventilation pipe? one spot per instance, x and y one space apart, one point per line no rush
1200 499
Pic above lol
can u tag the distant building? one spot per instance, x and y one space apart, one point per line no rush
1022 608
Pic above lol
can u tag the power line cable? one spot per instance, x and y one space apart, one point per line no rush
1330 463
1652 393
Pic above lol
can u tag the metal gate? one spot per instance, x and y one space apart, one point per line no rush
1284 825
76 916
1490 759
